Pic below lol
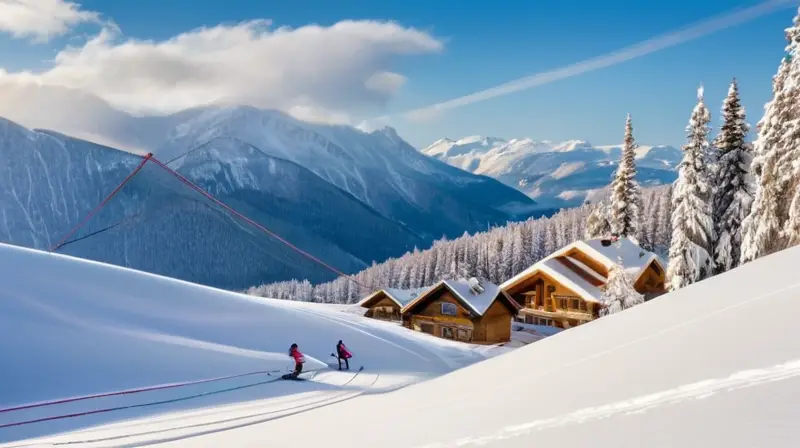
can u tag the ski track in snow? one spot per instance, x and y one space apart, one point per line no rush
175 427
698 391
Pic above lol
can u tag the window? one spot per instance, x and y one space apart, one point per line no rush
541 321
449 309
562 303
426 328
464 335
448 333
576 304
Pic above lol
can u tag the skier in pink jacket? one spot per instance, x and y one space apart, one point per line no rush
299 359
343 353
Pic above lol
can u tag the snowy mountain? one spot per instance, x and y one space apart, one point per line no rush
378 168
51 182
642 377
368 199
555 174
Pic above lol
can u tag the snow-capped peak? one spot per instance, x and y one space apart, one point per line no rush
572 145
543 169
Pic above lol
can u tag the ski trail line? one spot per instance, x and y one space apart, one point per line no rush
697 390
322 403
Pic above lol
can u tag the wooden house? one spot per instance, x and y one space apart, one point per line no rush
463 310
385 304
564 290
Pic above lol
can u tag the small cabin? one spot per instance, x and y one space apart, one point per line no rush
385 304
463 310
565 289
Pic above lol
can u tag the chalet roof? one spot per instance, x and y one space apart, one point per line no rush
477 303
634 259
584 280
399 296
559 269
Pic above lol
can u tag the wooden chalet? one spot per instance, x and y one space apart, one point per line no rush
385 304
564 290
463 310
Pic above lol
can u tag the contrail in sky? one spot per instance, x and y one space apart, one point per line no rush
652 45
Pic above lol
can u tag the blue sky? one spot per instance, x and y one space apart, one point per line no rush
487 43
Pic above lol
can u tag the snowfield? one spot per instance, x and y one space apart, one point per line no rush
714 364
72 327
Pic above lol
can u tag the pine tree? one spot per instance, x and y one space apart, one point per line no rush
763 229
789 163
625 196
692 223
618 292
664 231
598 224
732 193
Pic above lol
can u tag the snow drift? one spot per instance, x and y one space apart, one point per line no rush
71 327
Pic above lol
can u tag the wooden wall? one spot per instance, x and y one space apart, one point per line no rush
652 280
385 308
495 325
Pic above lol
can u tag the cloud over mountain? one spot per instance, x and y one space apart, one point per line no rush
325 73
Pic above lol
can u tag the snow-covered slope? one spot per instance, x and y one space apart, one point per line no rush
71 327
50 183
714 364
555 174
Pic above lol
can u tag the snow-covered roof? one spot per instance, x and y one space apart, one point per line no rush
478 303
555 268
399 296
634 260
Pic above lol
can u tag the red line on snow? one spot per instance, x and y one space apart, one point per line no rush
131 391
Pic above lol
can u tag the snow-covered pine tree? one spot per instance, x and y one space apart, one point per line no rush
550 243
692 225
625 196
732 193
789 164
618 292
598 224
763 229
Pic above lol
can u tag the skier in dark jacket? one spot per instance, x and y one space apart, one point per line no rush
299 359
343 353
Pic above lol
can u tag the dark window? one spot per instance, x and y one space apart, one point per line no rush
448 333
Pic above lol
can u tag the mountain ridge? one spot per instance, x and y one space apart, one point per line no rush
555 174
314 207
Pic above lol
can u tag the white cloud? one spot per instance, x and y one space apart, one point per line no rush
315 72
385 82
42 19
640 49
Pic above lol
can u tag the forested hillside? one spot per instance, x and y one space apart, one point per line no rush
496 254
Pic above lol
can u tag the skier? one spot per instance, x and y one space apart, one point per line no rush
343 353
299 359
